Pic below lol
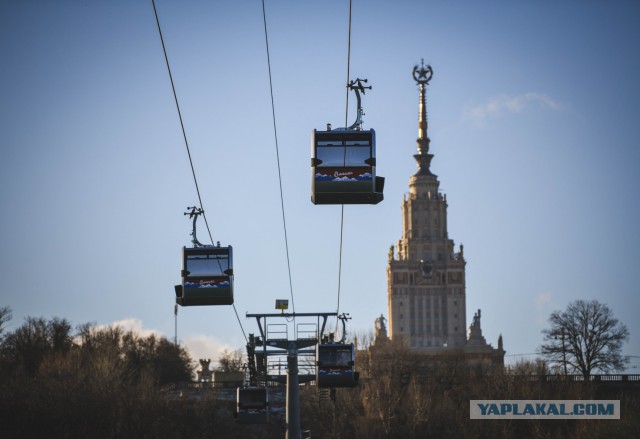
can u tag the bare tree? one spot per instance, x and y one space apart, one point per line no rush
524 367
30 344
585 337
231 361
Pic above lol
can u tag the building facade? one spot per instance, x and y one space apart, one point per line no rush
426 274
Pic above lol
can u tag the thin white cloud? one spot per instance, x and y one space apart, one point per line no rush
135 326
505 104
542 302
198 345
127 325
204 346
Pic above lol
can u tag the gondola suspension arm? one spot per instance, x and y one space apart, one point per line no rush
194 213
343 318
357 86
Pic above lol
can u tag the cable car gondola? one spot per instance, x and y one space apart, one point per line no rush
207 272
335 365
207 276
343 163
252 405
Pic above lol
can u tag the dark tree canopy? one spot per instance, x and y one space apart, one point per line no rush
30 344
109 383
585 337
39 343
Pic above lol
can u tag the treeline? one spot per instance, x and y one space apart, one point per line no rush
97 382
402 395
104 382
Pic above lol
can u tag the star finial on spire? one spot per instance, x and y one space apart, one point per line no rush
422 75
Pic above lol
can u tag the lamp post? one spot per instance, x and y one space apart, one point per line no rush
175 315
564 352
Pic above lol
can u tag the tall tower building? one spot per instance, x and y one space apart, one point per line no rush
426 276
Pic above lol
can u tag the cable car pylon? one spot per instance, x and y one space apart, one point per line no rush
260 346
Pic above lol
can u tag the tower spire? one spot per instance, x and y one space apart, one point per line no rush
422 75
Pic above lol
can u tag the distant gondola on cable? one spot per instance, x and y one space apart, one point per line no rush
252 405
343 162
335 366
207 272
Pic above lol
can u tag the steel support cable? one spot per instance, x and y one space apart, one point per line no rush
346 124
275 133
186 142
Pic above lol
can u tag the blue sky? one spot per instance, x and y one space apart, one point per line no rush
532 119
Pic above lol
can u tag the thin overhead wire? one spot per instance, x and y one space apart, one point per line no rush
184 133
346 124
275 133
186 142
346 111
